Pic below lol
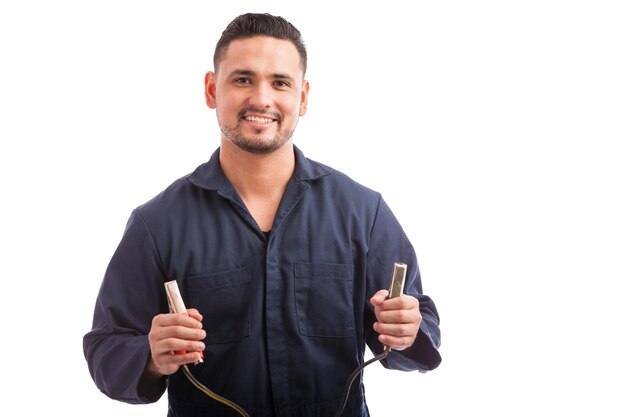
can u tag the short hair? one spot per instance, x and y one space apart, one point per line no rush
259 24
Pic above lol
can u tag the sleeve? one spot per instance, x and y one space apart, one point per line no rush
389 244
131 294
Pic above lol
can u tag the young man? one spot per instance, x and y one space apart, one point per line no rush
283 260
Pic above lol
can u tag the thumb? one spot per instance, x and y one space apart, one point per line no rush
194 313
379 298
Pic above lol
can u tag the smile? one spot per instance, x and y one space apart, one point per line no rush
258 119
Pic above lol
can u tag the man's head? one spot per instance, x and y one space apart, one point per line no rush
258 87
259 24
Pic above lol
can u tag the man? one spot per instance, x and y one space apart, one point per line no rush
283 260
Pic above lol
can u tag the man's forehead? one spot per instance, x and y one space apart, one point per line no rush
262 53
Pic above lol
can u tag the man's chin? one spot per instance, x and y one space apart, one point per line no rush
258 147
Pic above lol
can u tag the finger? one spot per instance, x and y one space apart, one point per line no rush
175 325
400 316
177 332
195 314
160 332
169 362
379 298
191 357
174 345
397 343
178 359
404 302
165 326
396 330
179 319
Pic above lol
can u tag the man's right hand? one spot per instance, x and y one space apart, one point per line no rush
175 332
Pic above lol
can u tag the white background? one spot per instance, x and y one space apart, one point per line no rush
494 129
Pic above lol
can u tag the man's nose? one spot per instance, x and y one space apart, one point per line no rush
261 96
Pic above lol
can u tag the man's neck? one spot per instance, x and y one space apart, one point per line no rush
255 175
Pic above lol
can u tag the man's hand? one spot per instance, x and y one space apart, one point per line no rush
174 332
398 319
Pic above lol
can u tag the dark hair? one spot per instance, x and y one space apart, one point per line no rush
257 24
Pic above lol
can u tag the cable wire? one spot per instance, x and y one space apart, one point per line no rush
243 413
211 394
351 379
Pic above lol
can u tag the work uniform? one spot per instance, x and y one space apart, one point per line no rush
287 314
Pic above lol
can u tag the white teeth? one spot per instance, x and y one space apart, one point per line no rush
258 119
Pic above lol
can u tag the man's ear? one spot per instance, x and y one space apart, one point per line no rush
209 89
304 98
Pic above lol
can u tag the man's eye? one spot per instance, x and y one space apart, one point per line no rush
242 81
280 83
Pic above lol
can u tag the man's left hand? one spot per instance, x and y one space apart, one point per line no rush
398 319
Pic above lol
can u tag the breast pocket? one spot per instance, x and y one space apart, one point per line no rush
324 299
223 299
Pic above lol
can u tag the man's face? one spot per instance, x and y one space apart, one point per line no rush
259 93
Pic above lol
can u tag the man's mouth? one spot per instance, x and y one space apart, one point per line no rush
260 116
258 119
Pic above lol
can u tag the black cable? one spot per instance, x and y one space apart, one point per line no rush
351 379
242 412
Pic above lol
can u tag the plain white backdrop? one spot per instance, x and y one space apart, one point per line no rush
495 130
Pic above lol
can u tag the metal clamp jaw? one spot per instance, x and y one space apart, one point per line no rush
396 289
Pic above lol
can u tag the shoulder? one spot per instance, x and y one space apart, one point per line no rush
184 193
341 190
343 186
171 201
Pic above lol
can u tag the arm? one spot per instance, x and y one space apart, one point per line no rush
131 295
409 324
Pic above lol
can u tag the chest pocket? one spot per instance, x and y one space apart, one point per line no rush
223 299
324 299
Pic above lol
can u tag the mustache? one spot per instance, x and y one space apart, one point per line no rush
269 113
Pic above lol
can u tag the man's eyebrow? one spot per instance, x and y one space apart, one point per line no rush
249 73
242 72
282 76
